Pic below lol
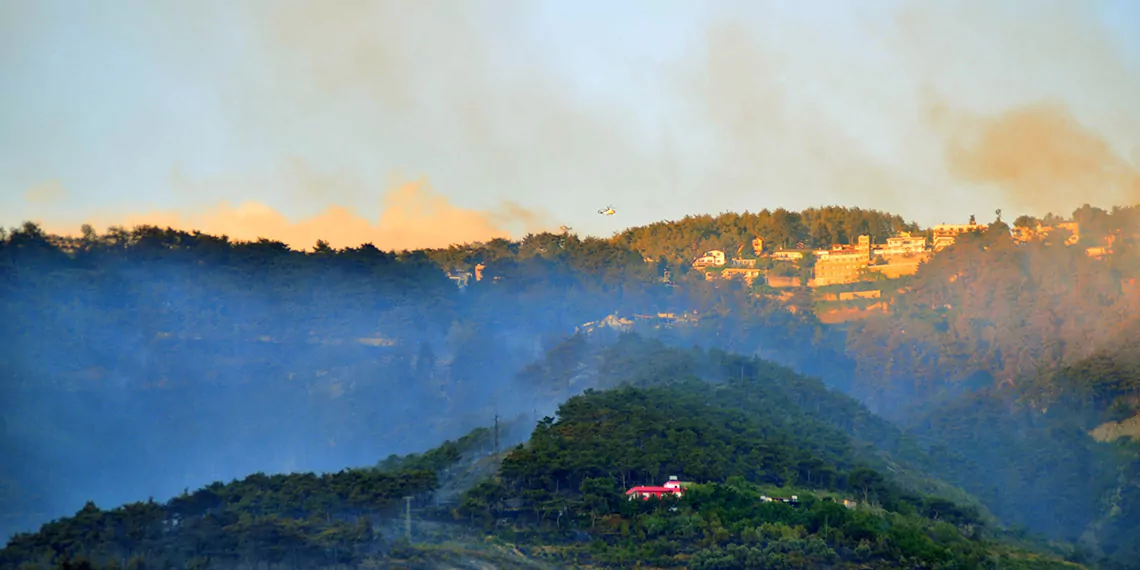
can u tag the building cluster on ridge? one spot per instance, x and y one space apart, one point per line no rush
900 255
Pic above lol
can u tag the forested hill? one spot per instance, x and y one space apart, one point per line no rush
683 240
563 489
737 428
582 362
1036 472
296 520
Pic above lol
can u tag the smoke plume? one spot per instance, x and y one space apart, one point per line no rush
1040 155
46 193
733 106
1034 107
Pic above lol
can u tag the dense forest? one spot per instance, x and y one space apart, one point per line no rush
569 477
147 361
559 497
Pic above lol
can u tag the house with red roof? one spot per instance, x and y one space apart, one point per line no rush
672 488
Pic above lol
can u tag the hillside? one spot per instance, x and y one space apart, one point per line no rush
146 361
568 479
1007 359
581 363
988 311
348 518
1046 448
558 498
221 358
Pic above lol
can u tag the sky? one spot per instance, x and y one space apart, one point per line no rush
429 122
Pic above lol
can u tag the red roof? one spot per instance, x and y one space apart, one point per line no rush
650 489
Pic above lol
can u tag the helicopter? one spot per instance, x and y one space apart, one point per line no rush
609 211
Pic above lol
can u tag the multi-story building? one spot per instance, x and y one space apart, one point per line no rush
902 244
946 234
842 264
840 267
748 274
714 258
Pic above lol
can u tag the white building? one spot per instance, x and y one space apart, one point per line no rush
903 244
787 255
714 258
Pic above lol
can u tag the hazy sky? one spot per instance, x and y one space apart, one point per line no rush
414 122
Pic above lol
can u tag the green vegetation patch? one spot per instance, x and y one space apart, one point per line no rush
571 477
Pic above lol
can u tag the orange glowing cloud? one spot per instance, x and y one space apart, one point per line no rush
413 217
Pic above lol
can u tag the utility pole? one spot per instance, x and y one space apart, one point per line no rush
496 435
408 518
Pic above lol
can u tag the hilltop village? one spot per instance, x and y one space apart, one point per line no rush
863 261
845 280
757 264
